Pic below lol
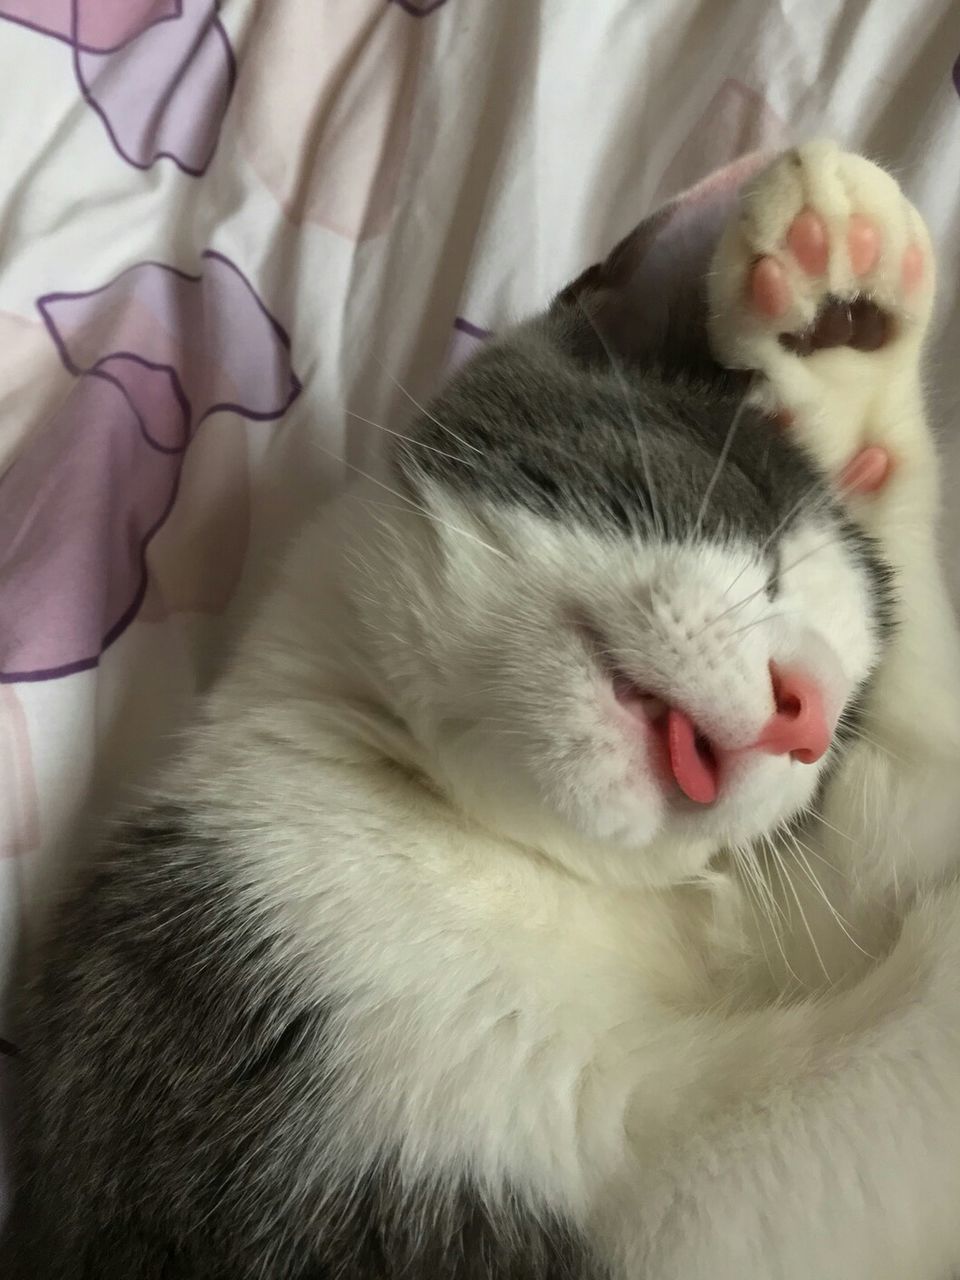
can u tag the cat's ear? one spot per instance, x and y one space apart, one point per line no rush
646 302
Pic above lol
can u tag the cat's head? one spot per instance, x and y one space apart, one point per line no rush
621 613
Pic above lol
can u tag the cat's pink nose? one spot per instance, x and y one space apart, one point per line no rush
799 726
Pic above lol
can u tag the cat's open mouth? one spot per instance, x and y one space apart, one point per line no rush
680 752
683 756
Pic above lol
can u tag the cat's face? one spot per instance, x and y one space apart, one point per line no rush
629 627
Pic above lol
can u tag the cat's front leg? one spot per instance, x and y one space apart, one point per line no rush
822 284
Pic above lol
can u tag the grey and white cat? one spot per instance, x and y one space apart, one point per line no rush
560 883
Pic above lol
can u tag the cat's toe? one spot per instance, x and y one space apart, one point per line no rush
769 288
863 244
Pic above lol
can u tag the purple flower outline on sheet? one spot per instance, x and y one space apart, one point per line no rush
418 8
140 14
155 351
464 342
159 74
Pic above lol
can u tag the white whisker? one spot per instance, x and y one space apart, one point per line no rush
860 735
753 594
836 830
628 401
414 506
426 412
767 617
420 444
768 903
806 868
721 463
803 915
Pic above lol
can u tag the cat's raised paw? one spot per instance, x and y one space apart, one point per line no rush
825 254
826 251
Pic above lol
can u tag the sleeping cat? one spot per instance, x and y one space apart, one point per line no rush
559 884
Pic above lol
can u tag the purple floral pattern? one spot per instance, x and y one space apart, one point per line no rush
99 27
158 73
419 8
467 339
331 156
154 352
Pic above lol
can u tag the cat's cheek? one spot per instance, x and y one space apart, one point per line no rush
605 790
629 815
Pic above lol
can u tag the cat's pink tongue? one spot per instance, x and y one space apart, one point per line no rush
692 762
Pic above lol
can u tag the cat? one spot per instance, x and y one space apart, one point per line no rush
560 883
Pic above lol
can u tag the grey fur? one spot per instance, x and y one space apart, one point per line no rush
553 417
561 437
180 1102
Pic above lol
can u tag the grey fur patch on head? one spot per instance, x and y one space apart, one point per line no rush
612 430
608 447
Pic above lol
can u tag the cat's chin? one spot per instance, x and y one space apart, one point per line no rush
626 845
643 839
611 823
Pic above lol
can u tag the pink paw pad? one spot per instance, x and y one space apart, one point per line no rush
863 244
867 471
782 419
769 289
807 240
911 270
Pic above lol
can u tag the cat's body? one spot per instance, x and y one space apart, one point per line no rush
415 969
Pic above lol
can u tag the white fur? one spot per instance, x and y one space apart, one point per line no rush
548 977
